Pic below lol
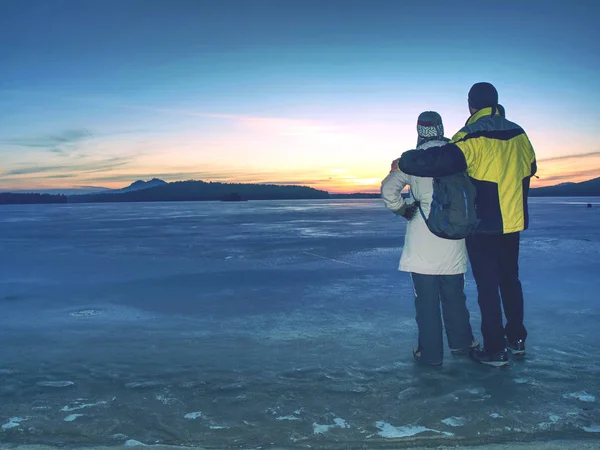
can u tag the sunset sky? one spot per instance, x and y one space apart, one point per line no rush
320 93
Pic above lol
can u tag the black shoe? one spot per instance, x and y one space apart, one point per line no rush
491 359
417 356
516 347
463 351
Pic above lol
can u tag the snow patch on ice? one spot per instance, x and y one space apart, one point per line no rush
496 416
476 391
13 422
390 431
288 417
142 384
193 415
407 393
592 429
341 423
581 396
166 400
72 417
55 384
337 423
475 394
82 406
455 421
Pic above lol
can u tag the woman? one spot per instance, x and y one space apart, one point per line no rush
437 266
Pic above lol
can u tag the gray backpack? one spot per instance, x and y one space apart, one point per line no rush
452 214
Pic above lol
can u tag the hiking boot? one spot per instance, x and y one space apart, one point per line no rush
417 356
463 351
491 359
516 347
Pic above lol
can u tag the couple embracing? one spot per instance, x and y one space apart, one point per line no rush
499 161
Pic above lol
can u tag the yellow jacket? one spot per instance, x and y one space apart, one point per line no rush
500 160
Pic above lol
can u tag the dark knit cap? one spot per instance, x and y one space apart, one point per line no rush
483 95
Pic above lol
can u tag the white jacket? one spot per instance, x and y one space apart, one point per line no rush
423 251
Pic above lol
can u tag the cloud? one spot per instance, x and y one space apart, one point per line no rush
90 167
576 156
60 176
575 176
55 143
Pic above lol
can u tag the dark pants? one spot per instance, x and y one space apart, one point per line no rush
429 291
495 264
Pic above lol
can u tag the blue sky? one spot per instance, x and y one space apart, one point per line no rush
320 93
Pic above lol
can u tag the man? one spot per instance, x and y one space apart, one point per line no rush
500 160
437 266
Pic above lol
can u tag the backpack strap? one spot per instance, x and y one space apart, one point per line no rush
420 209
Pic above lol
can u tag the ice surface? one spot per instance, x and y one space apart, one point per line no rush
275 320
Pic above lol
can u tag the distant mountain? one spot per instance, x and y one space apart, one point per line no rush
140 184
200 190
590 188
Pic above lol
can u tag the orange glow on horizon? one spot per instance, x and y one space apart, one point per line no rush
351 175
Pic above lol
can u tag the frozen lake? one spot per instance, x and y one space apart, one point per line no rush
275 324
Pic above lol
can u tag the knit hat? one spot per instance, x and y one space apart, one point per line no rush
483 95
429 127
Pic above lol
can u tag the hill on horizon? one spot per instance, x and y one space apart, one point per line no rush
589 188
141 184
156 190
200 190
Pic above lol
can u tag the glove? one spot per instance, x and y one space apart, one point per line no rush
408 211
